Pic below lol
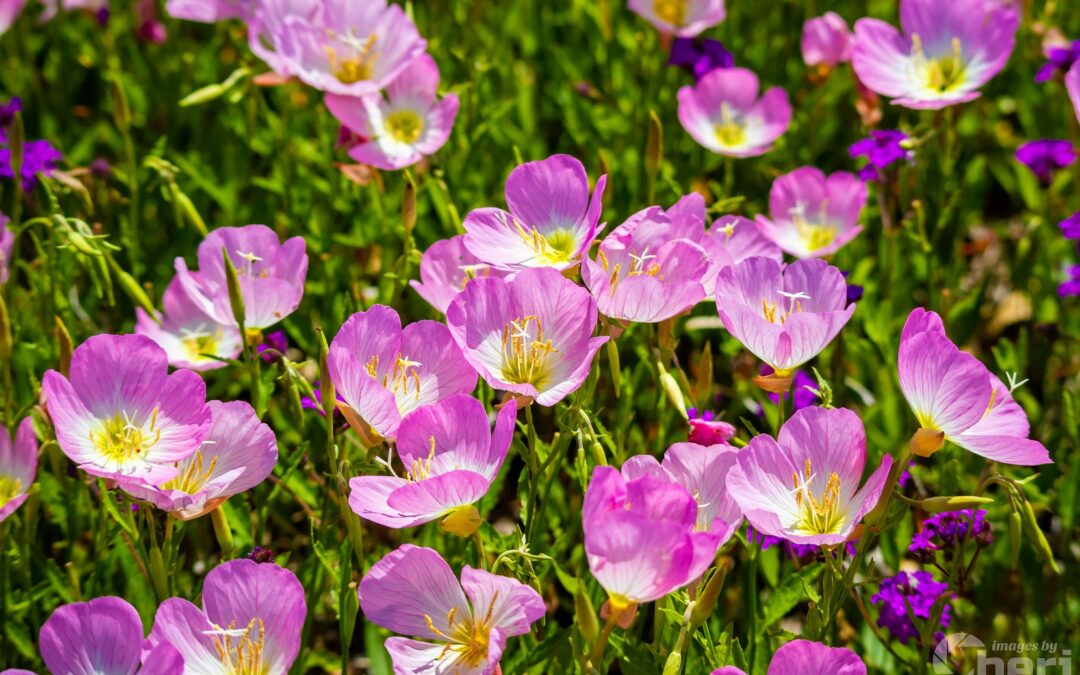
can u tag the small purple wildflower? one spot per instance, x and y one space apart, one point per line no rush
261 554
101 168
38 157
313 403
1072 286
917 589
700 56
854 291
275 341
8 110
905 476
1046 157
881 148
1058 59
944 531
1070 227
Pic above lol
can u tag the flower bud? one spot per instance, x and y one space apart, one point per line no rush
236 296
585 615
462 521
943 504
926 442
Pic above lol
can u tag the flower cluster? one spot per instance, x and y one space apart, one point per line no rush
909 597
946 531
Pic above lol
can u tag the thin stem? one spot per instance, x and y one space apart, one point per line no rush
596 658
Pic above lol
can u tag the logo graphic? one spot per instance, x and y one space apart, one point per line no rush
953 643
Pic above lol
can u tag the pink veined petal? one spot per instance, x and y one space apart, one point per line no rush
163 659
103 635
477 318
443 370
870 494
511 606
882 57
763 339
703 471
415 86
549 194
434 497
239 441
738 87
351 112
184 626
409 587
919 321
847 197
412 657
1072 84
809 333
239 591
803 657
492 236
833 440
1004 449
641 465
438 124
760 482
368 496
947 389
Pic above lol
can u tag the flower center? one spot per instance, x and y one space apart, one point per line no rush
525 352
240 649
774 314
10 488
640 265
404 372
730 134
404 126
943 73
821 515
360 65
467 641
816 235
197 344
555 247
193 474
120 439
670 11
421 467
249 268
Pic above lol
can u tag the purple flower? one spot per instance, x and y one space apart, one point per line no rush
1058 59
451 457
101 168
38 157
881 148
915 589
725 115
1072 286
445 268
1070 227
104 635
1046 157
273 342
463 626
700 55
944 531
8 110
261 554
121 414
826 41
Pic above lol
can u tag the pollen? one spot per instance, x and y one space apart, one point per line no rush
357 67
241 650
193 475
120 440
404 126
552 248
402 376
466 639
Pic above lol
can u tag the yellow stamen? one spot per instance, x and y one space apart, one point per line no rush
670 11
525 352
120 440
467 640
241 651
404 126
356 68
820 515
192 475
554 248
404 372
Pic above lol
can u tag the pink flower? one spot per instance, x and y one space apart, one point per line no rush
9 12
445 268
702 471
724 114
251 620
811 214
531 336
7 247
104 635
649 268
18 466
1072 83
826 40
641 537
551 223
451 457
730 239
803 657
338 46
382 372
121 414
239 453
784 315
685 18
52 7
208 11
804 486
271 275
953 393
405 126
413 591
189 336
947 51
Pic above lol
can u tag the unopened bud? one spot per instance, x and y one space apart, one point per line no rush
926 442
1038 539
462 521
706 601
585 615
958 503
236 296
